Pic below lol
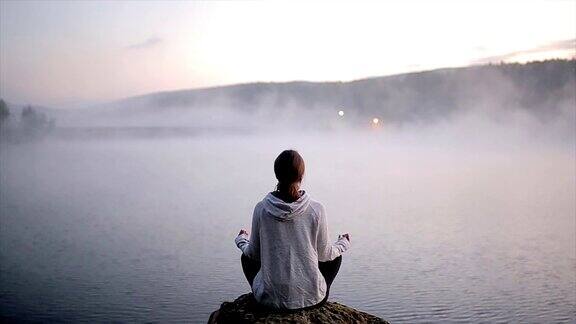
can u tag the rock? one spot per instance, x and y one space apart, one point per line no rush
245 310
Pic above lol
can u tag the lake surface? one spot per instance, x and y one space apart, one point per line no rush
143 230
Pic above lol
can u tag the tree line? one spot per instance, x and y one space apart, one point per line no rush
32 124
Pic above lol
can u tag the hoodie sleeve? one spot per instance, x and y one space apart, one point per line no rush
328 251
251 247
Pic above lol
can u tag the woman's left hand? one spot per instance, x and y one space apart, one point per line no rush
243 231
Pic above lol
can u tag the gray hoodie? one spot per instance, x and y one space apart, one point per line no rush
289 239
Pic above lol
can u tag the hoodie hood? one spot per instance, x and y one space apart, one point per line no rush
284 211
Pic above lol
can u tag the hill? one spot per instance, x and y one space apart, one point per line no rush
545 90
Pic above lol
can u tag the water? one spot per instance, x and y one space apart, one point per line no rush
142 230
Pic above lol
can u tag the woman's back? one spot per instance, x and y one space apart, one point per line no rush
290 239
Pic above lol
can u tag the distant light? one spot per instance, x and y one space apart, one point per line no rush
341 113
375 121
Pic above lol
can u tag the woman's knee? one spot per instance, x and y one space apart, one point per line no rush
330 269
250 268
332 263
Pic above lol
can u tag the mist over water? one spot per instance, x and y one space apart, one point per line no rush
137 137
467 220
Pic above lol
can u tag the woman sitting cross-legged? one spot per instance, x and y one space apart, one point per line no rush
288 260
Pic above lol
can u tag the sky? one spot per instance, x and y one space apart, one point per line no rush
72 54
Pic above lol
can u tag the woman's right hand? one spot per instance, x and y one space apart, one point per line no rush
347 236
243 231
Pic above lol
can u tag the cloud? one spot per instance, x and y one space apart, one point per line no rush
148 43
568 45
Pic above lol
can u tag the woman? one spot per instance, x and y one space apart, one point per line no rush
288 261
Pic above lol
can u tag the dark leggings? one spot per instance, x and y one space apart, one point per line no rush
328 269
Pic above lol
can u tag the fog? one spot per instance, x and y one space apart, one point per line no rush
457 215
470 219
533 102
